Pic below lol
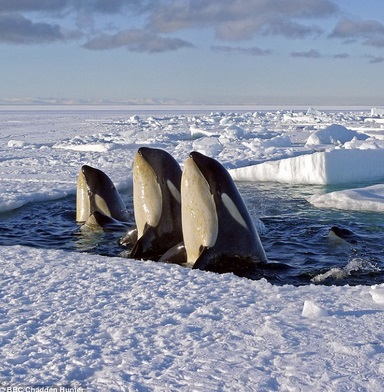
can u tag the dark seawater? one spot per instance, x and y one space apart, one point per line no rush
298 234
295 234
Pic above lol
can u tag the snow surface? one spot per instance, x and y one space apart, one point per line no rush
117 324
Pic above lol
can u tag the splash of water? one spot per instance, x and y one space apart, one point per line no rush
356 264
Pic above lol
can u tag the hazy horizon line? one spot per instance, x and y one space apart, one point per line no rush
166 102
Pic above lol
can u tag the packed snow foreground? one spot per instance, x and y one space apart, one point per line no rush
105 323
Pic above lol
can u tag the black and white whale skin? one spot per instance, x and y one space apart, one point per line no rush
218 232
156 202
339 235
97 200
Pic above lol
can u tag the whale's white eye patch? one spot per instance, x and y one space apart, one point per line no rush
174 191
101 205
233 210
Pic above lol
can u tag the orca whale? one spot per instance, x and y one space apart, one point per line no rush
218 232
156 201
339 235
97 200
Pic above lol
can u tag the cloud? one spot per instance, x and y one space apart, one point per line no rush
115 6
377 42
242 19
157 20
375 59
310 54
347 28
33 5
17 24
136 40
106 6
97 6
291 29
341 56
231 20
371 32
16 28
254 51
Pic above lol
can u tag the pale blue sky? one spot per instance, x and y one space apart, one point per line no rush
311 52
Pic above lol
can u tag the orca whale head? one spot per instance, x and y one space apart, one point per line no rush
156 200
96 192
215 221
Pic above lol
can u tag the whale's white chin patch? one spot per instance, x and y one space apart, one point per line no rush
198 211
147 197
83 209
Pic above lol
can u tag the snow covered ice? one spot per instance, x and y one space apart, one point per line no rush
118 325
108 323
